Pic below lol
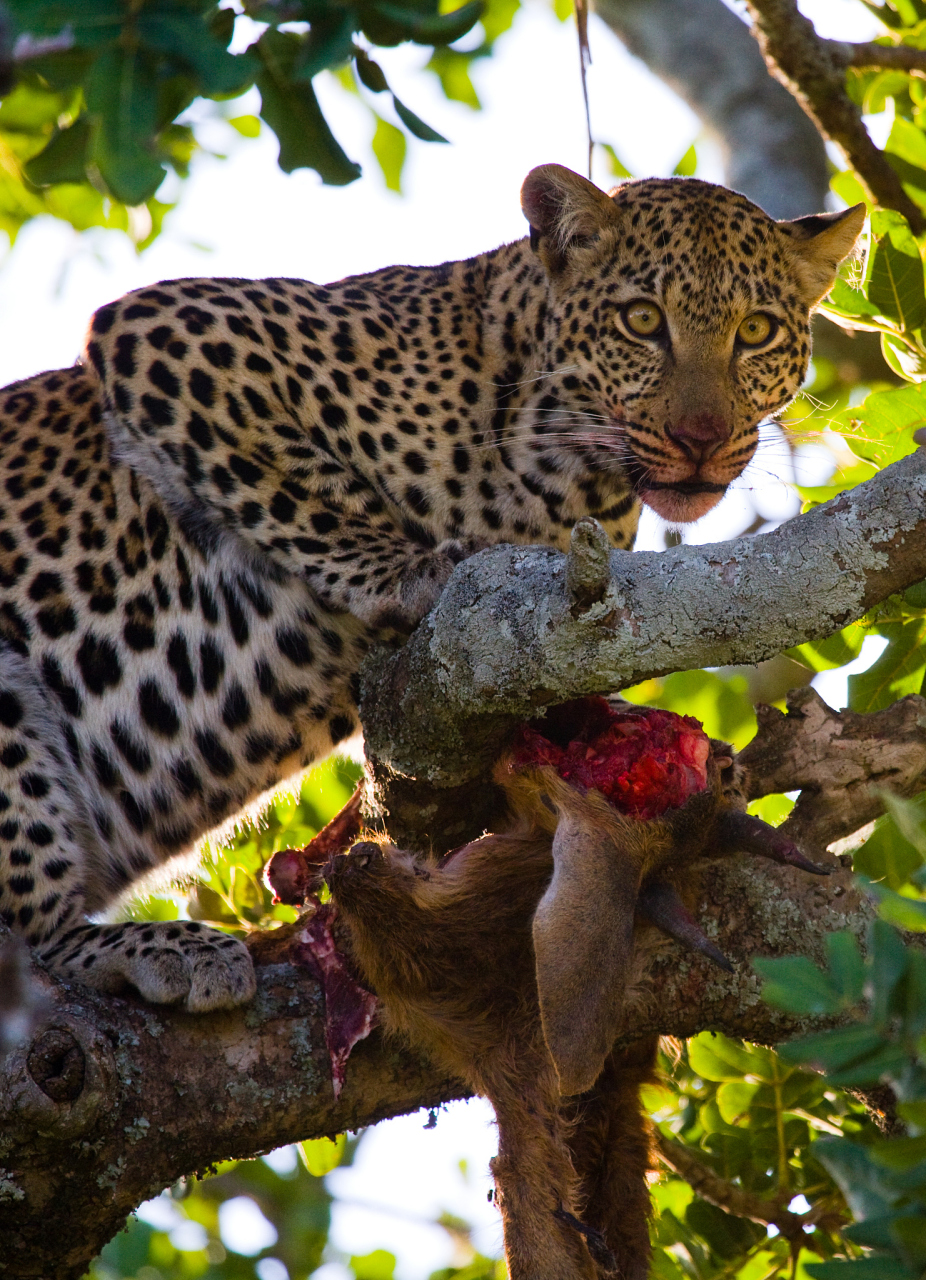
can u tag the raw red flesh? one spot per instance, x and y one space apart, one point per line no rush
643 761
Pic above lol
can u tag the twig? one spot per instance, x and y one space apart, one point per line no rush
718 1191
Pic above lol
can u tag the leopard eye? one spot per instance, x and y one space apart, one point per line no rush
756 329
643 318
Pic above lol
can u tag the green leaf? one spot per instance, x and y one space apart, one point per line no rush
888 961
866 1187
836 651
122 95
847 186
158 210
846 967
898 670
861 1269
913 1112
901 912
330 43
882 87
885 1063
247 126
850 301
900 1153
321 1155
389 147
92 22
910 1234
721 703
616 166
881 428
886 856
390 24
416 125
905 139
187 38
688 163
772 809
734 1099
836 1049
672 1196
909 817
371 73
907 362
894 271
378 1265
292 111
796 984
65 157
715 1057
451 67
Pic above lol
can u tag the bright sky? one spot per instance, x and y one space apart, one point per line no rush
460 199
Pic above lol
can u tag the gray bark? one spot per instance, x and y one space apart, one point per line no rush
514 630
772 152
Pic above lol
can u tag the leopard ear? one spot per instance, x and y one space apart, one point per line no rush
563 210
816 246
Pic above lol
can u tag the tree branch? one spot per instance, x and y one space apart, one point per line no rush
771 151
718 1191
506 639
870 56
814 70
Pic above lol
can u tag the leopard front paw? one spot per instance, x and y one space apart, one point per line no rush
421 587
180 962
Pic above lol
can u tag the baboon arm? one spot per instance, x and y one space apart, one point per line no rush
583 943
536 1186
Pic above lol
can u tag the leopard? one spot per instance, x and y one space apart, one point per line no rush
243 485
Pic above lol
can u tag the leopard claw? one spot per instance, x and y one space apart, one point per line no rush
660 904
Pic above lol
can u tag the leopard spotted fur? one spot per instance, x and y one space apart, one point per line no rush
206 523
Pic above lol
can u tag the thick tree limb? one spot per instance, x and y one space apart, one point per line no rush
814 70
110 1100
506 639
838 760
771 151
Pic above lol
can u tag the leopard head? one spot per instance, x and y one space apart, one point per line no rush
680 320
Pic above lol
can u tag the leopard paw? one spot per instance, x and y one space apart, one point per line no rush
180 962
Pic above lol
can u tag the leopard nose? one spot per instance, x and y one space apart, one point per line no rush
700 435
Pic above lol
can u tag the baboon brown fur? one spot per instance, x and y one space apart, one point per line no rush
507 961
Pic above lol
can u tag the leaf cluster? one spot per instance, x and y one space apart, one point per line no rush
883 1179
95 91
752 1121
187 1241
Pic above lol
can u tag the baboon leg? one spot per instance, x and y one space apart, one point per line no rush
610 1142
535 1182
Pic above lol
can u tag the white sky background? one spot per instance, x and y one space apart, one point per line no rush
459 200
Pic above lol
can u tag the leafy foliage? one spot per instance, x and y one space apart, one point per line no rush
93 106
882 1178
